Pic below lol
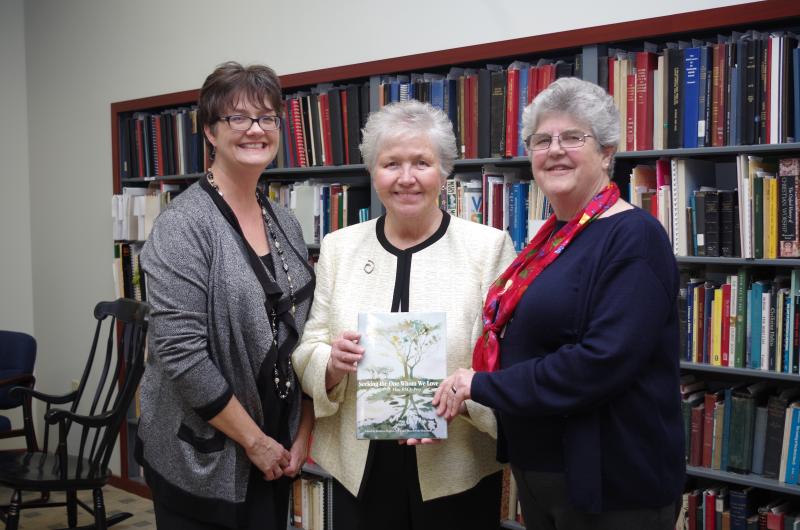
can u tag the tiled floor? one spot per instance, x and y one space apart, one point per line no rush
116 501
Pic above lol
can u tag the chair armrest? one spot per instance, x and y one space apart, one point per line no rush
60 415
22 379
47 398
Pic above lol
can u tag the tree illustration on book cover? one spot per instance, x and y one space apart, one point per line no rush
404 362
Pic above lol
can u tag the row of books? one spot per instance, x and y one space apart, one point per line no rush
747 429
497 197
134 211
744 322
309 501
720 507
160 143
747 208
322 125
494 196
129 282
739 90
322 207
510 509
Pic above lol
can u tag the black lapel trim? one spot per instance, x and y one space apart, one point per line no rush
402 280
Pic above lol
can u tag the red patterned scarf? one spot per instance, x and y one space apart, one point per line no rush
505 293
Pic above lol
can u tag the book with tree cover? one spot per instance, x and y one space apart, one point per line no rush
404 363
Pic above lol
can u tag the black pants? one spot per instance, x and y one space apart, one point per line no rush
543 497
267 508
390 498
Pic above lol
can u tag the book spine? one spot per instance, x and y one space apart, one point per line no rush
521 104
712 218
630 117
696 452
674 132
512 107
726 326
776 414
788 169
718 86
741 317
345 129
645 65
498 113
793 458
691 93
716 328
727 227
297 133
766 300
678 239
690 295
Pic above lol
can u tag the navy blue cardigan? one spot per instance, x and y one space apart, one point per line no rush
589 378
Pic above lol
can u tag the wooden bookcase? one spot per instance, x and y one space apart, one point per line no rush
766 16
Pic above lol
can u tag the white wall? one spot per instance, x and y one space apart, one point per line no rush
84 54
16 290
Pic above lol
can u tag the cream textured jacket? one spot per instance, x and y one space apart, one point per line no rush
360 271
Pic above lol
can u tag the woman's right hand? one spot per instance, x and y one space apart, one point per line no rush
345 355
269 456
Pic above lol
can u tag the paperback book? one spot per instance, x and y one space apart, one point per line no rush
404 362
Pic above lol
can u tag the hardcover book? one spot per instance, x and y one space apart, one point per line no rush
404 362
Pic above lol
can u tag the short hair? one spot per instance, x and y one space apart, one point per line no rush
230 83
409 118
582 101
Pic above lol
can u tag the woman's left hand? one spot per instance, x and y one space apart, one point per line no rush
298 454
451 394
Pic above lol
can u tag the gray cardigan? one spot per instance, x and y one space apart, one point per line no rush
209 335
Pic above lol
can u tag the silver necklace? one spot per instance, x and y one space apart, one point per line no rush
282 390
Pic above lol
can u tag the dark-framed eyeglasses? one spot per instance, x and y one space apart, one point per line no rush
567 140
240 122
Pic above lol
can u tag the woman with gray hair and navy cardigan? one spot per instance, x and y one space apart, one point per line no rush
579 351
416 257
223 423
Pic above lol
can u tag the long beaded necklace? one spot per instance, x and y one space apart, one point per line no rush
284 390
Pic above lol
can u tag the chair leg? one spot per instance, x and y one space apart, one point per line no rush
99 510
72 508
12 520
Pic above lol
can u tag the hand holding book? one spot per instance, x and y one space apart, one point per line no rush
420 441
451 394
345 355
403 363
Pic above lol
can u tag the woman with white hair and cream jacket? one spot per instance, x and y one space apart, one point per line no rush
416 257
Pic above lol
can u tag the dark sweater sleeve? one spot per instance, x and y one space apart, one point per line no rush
177 263
629 306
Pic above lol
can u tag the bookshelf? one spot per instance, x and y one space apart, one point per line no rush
587 42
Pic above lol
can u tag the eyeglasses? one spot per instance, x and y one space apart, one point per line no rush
238 122
567 140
